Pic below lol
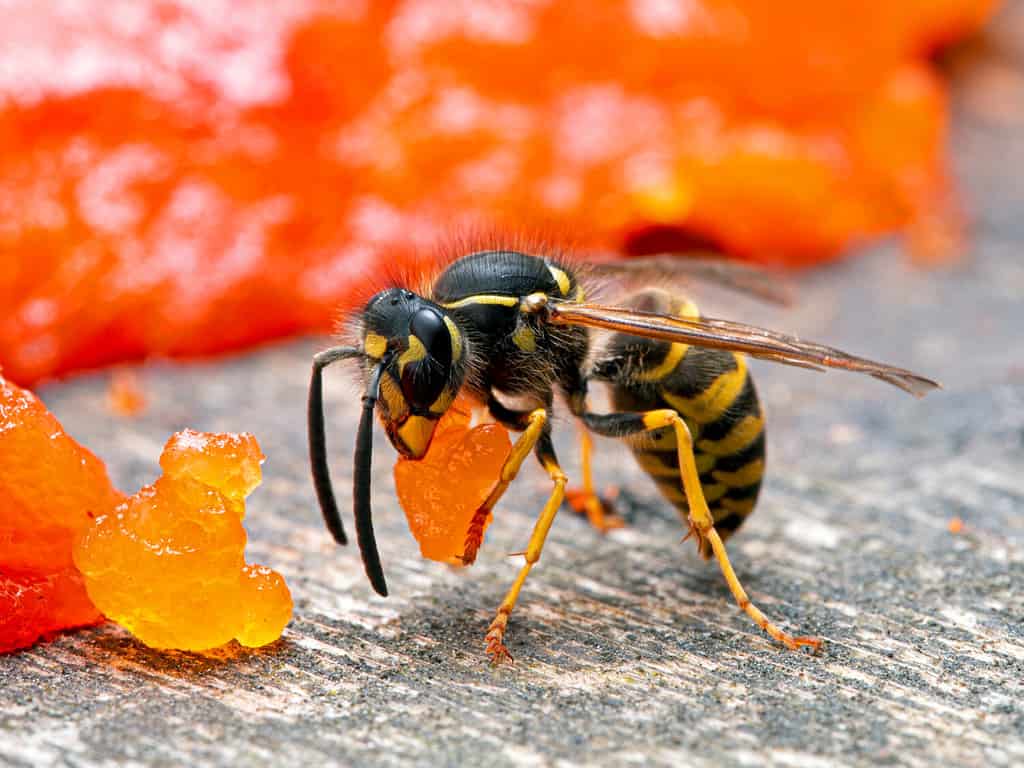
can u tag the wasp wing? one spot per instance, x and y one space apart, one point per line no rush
682 270
725 334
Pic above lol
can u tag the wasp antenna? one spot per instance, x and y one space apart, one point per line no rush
361 485
318 439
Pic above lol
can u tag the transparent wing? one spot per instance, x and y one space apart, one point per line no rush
685 269
724 334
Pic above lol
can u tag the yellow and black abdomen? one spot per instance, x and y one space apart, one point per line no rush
713 392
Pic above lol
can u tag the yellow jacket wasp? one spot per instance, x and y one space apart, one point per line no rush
502 323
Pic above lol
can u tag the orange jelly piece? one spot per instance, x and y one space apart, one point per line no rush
168 564
38 605
50 488
441 492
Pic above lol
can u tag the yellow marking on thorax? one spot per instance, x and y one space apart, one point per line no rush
745 475
564 283
524 338
416 351
453 331
483 298
375 345
740 436
716 399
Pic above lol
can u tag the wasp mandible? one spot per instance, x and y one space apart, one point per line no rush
502 325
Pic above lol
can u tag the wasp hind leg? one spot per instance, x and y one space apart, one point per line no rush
701 523
496 631
585 500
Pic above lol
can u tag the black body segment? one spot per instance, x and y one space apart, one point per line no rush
715 395
514 351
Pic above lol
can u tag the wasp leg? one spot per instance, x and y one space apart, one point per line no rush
701 523
496 631
586 500
532 425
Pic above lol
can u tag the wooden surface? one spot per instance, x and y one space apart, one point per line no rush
629 649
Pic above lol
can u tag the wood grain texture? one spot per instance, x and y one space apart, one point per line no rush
629 648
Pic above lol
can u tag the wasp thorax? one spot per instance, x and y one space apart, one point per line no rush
420 349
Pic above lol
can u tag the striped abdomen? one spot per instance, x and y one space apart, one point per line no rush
713 392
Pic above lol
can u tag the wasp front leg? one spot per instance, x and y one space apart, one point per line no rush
701 523
532 424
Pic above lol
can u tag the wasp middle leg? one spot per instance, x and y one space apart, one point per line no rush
532 424
701 522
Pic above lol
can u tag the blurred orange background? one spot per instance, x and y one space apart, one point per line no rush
184 177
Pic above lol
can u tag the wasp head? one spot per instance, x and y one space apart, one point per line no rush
419 348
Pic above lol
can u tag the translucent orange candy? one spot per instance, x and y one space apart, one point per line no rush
50 489
168 564
441 491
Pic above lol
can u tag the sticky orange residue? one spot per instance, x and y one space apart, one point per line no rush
168 563
50 489
124 395
441 492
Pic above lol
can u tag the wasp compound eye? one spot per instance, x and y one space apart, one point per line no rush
425 372
429 327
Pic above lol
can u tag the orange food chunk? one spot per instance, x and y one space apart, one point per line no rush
441 492
781 130
37 605
50 487
168 564
225 461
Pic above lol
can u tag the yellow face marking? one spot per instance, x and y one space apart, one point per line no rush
443 402
580 294
745 475
453 331
483 298
716 399
739 437
740 506
375 345
392 397
415 434
416 351
564 283
524 339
